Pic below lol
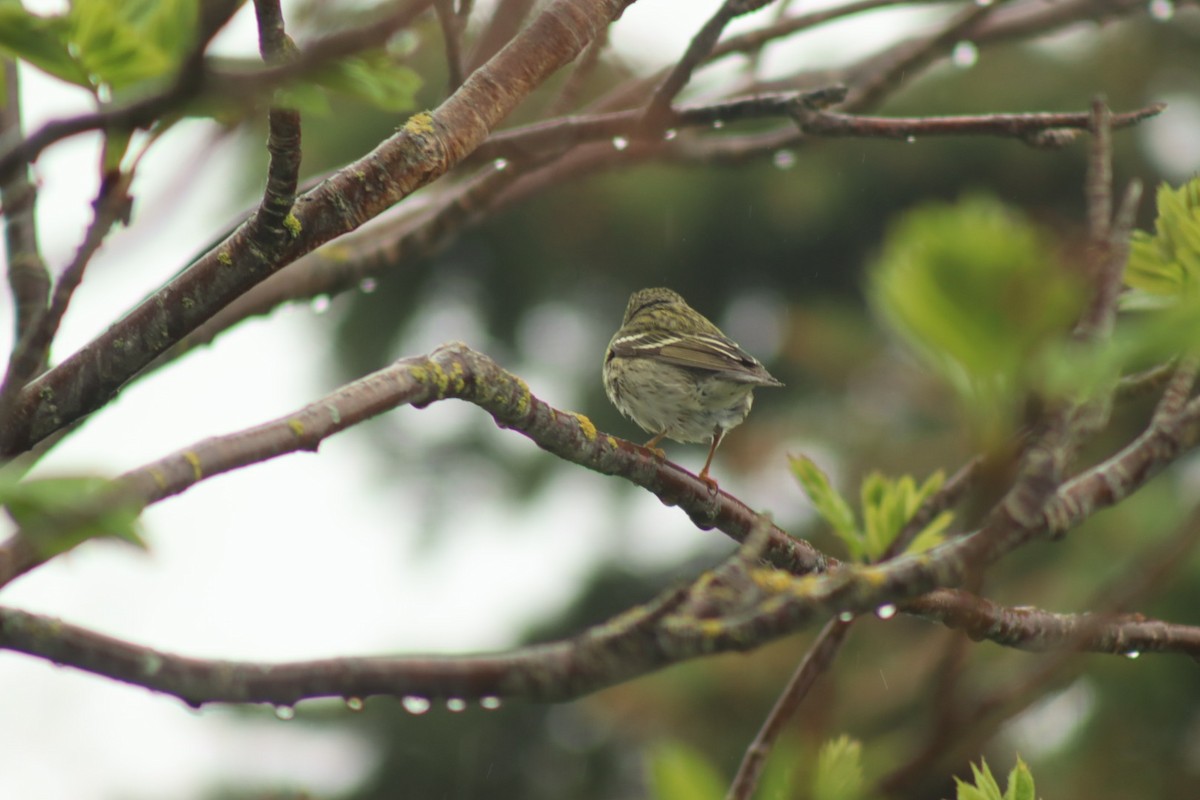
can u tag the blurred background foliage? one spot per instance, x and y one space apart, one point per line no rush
776 253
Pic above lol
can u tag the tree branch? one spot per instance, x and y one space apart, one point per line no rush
423 150
28 279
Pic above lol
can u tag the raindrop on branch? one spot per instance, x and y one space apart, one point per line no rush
414 704
886 611
1162 10
784 159
964 55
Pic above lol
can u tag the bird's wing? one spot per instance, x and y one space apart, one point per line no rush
697 351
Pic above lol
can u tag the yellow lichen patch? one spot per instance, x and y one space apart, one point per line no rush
420 124
160 480
439 378
586 426
772 580
224 257
873 576
524 397
293 225
458 374
612 442
711 628
194 460
297 427
772 604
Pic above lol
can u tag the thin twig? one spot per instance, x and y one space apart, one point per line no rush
28 279
270 222
1067 636
424 149
816 663
111 207
658 109
909 62
450 23
198 78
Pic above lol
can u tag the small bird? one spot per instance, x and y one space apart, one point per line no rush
677 376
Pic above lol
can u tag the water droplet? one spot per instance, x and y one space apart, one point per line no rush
500 164
886 611
489 703
368 285
784 159
456 704
354 703
984 3
1162 10
414 704
1133 654
320 304
910 138
620 142
670 133
718 123
964 55
285 712
846 616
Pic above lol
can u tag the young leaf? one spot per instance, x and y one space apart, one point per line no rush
887 506
678 772
1168 263
1020 784
832 507
40 41
57 514
977 292
839 771
374 78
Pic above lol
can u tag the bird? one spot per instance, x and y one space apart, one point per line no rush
677 376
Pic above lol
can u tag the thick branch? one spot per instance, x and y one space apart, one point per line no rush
423 150
633 644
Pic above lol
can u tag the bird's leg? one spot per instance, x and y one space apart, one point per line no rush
718 434
652 445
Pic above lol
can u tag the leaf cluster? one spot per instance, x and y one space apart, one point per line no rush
887 505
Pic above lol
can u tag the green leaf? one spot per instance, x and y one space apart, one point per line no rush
57 514
839 771
1168 262
375 78
120 43
832 507
779 776
977 292
887 506
39 41
1020 783
678 772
